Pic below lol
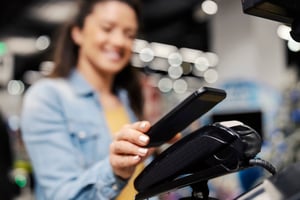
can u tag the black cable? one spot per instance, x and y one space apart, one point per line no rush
265 164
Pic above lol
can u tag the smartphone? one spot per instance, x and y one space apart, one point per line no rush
187 111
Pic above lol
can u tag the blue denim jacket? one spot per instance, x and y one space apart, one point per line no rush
67 139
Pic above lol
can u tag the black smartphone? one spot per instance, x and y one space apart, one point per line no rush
187 111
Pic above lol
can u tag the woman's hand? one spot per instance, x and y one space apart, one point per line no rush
128 148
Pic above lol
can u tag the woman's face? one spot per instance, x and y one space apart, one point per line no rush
106 38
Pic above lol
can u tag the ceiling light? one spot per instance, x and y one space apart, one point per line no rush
146 55
293 45
212 58
209 7
175 72
190 55
175 59
42 42
138 45
21 45
163 50
15 87
53 12
211 76
180 86
283 32
165 85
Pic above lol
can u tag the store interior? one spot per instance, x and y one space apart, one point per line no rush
183 46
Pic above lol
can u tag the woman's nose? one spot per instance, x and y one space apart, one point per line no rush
118 38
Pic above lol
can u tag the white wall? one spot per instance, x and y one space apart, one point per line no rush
248 46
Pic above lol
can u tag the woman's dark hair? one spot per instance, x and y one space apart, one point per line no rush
66 54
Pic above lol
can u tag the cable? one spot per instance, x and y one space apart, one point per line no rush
265 164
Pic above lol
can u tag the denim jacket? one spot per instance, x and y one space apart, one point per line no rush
67 139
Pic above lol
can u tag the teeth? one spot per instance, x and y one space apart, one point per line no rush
113 55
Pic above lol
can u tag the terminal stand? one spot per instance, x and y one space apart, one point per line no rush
209 152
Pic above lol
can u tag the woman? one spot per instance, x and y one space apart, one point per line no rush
72 122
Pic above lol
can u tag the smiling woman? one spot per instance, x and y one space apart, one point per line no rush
84 115
105 41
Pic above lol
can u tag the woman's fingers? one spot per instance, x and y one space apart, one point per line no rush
127 150
123 147
125 161
134 133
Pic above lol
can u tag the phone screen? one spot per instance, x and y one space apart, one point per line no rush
187 111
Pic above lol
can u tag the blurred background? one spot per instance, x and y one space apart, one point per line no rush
183 45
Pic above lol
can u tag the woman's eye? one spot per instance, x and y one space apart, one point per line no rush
106 28
131 35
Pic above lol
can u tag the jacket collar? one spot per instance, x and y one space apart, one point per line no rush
80 84
81 87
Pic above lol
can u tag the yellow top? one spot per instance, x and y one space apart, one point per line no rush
116 118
